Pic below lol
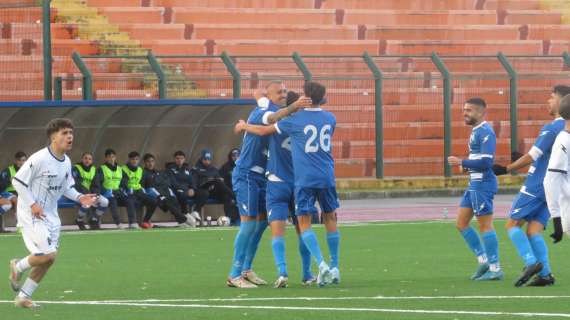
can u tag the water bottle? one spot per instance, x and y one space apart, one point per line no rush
445 213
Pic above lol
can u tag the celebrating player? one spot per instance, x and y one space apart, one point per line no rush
478 198
530 204
41 181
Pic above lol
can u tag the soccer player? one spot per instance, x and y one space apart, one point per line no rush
478 198
84 175
249 183
7 191
41 181
530 205
280 184
556 181
182 174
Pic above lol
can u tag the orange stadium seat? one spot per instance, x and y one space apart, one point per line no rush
274 32
252 16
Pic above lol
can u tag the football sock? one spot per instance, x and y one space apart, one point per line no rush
278 246
254 244
491 244
28 288
474 243
305 259
541 251
246 230
522 244
310 239
333 239
23 265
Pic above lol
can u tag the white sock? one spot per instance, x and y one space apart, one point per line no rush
28 288
494 267
23 265
482 259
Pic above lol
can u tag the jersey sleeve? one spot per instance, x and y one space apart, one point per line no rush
22 181
285 126
70 192
265 118
556 175
487 154
543 143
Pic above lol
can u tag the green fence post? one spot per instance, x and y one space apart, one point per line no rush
513 101
58 89
447 91
302 66
233 70
160 75
87 76
378 114
47 56
566 58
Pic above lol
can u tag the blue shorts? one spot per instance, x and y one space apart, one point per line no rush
481 202
530 208
249 189
280 197
7 195
305 199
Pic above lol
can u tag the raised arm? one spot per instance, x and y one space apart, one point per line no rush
254 129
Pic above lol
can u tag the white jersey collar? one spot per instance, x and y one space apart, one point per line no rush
480 125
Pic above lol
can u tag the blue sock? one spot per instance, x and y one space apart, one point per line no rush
333 239
278 246
254 244
541 251
472 239
246 230
305 259
522 243
310 239
491 244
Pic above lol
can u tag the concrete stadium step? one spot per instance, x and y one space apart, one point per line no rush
558 47
417 17
531 17
428 32
18 30
399 4
112 94
462 47
26 47
34 64
269 4
114 3
485 65
512 4
135 30
548 32
252 16
176 47
22 15
132 14
306 47
272 31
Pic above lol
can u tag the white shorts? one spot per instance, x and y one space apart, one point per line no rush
41 238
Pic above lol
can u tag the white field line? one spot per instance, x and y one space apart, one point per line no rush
301 308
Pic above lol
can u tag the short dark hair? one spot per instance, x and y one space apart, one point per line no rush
57 124
109 152
148 156
179 153
86 153
20 155
292 97
565 107
134 154
315 91
478 102
561 90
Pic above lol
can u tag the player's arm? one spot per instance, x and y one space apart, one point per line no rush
78 180
254 129
553 182
21 182
273 117
487 156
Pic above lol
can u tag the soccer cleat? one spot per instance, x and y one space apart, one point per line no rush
184 225
540 281
190 220
196 215
239 282
15 276
335 276
528 272
281 282
324 277
147 225
94 224
80 224
25 303
481 270
120 227
133 226
253 278
309 281
491 275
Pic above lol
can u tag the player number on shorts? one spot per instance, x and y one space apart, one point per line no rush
324 142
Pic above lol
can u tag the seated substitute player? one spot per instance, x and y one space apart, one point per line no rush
156 185
134 173
530 205
310 131
114 187
478 198
7 191
41 181
280 186
557 180
84 175
183 184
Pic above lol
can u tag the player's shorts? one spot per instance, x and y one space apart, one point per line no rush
481 202
280 195
7 195
41 238
529 208
305 199
250 189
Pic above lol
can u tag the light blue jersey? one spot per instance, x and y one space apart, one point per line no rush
311 133
482 149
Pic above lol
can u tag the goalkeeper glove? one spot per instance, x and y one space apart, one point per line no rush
499 170
558 234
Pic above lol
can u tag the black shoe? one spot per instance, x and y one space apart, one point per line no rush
528 272
540 281
80 224
94 224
